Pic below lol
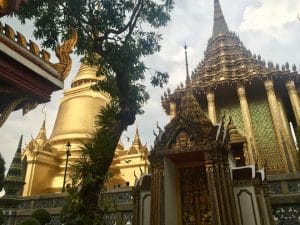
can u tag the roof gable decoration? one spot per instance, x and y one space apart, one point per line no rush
188 129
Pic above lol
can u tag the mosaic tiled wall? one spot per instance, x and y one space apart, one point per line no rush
264 131
230 106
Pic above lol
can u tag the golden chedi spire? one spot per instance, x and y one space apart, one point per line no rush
85 74
79 107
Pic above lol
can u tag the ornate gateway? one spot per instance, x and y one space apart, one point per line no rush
190 161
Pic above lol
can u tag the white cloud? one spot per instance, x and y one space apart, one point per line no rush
271 16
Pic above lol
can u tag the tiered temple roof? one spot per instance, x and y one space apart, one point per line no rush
227 61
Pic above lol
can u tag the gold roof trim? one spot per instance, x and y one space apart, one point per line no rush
62 51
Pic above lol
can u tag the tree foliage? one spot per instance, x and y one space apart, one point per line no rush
2 171
114 35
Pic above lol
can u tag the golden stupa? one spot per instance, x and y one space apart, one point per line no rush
44 159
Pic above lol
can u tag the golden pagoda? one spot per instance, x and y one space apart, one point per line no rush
45 159
74 123
260 97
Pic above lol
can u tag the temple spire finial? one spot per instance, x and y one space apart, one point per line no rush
188 79
42 133
137 140
220 25
20 144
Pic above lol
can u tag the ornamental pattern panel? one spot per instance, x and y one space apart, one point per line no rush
230 106
264 131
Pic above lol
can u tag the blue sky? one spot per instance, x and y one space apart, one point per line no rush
267 27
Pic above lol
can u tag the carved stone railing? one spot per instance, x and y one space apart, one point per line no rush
121 197
37 202
285 198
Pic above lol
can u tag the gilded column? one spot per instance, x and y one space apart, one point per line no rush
211 106
291 148
249 133
276 118
172 110
294 98
213 194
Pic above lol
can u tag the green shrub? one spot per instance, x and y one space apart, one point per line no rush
42 215
30 221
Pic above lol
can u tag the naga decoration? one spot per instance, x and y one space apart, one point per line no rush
63 54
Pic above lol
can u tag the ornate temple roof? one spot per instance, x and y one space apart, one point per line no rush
191 122
227 61
137 146
40 143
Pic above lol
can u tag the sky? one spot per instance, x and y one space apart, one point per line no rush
267 27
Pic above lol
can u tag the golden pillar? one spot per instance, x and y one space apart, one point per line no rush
172 110
211 106
294 98
288 138
276 118
249 133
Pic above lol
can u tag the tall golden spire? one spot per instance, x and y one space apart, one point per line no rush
220 25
